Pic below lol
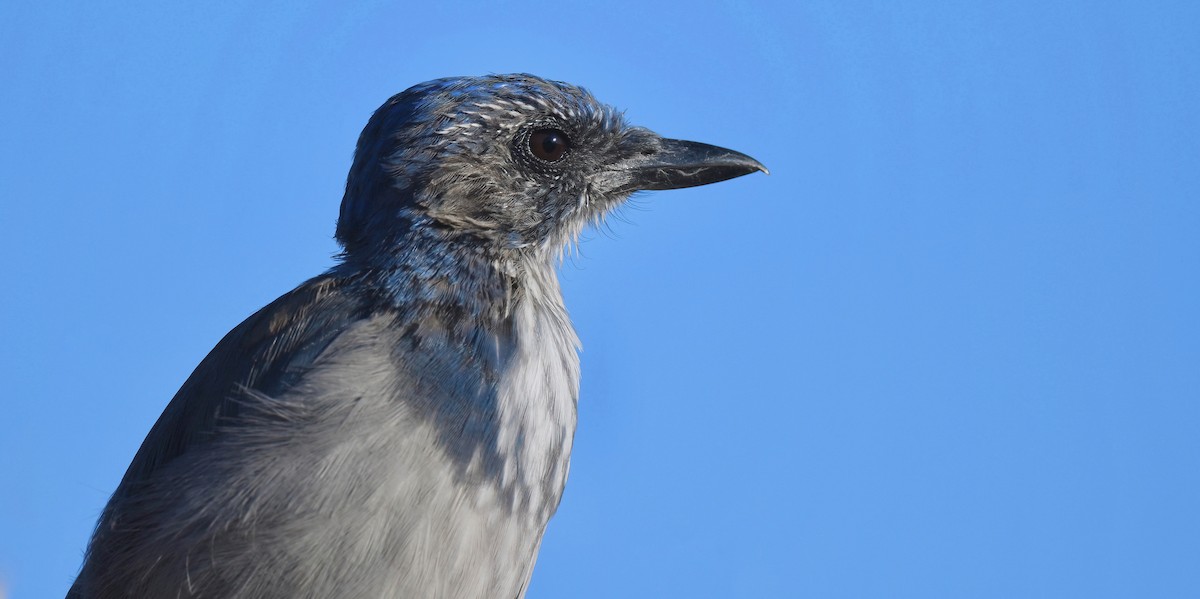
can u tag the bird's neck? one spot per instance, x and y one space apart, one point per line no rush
432 269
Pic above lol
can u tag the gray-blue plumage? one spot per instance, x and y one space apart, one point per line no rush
401 425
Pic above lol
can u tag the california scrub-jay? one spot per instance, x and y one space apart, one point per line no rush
401 425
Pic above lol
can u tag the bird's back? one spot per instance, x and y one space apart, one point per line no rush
327 447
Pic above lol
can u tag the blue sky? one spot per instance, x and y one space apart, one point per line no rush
950 347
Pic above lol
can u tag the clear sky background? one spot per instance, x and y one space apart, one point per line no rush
950 347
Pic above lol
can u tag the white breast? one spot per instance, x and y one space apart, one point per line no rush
538 391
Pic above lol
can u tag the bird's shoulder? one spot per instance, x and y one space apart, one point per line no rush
263 356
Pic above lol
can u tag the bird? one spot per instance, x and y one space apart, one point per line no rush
400 425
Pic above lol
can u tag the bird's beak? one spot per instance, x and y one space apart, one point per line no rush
675 163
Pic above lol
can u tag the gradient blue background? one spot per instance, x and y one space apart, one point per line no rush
949 348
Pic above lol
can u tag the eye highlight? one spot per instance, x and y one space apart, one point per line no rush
549 144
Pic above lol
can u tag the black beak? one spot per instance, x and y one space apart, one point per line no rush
675 163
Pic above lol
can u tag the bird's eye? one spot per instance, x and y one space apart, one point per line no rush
549 144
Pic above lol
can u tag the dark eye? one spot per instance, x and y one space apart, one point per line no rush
549 144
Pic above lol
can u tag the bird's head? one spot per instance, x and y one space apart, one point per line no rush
510 161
